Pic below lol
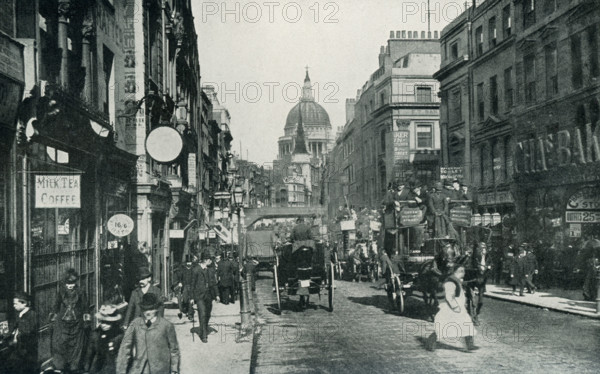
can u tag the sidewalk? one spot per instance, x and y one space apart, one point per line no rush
228 350
566 301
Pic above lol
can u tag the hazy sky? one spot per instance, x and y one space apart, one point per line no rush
255 54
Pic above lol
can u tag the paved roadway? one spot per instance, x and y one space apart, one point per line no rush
363 336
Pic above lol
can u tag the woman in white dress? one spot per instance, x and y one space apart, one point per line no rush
453 322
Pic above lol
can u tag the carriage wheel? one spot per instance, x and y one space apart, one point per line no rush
399 296
276 276
331 287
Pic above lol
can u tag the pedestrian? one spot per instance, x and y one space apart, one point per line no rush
22 345
103 348
70 317
150 343
225 277
452 321
518 270
203 290
531 269
144 286
183 287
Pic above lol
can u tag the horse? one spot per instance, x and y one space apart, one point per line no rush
430 276
476 275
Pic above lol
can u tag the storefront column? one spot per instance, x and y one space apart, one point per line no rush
26 226
64 7
166 265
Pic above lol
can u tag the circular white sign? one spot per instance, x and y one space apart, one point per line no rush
164 144
120 225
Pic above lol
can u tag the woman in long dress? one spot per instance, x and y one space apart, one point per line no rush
452 322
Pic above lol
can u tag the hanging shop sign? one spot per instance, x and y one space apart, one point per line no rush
176 234
347 225
164 144
575 230
120 225
57 191
563 148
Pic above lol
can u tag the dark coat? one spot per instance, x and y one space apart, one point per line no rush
68 334
155 346
518 269
225 273
103 349
134 310
203 285
531 264
22 357
301 232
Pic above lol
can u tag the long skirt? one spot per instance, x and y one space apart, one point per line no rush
450 325
68 341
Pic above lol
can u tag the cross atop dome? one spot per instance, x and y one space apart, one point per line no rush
307 94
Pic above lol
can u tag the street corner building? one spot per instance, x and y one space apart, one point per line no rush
83 85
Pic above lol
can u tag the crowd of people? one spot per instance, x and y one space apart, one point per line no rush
132 339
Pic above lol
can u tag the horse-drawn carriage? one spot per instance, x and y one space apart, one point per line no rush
303 269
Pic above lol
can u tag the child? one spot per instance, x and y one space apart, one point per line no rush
106 339
22 356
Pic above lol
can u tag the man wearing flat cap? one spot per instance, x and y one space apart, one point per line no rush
154 341
145 286
22 352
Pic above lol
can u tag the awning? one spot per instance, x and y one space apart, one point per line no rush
428 156
224 234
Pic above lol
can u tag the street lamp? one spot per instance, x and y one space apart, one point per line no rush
237 203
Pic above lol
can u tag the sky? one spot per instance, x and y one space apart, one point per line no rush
255 54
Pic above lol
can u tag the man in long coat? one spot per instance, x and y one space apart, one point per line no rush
203 290
22 352
225 276
154 340
518 270
183 287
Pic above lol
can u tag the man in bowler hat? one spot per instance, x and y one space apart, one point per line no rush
145 286
203 289
150 342
183 287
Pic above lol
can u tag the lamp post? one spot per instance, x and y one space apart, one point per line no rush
238 202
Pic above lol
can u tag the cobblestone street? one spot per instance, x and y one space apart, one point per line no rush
363 336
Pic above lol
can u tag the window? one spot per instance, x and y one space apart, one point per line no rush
382 98
551 70
528 13
455 107
444 52
592 34
480 102
506 21
576 63
454 50
494 95
479 40
424 136
108 80
424 94
382 139
508 88
492 32
529 78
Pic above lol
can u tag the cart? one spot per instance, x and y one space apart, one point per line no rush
304 269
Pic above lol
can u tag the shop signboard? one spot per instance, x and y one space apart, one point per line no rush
347 225
451 172
585 199
120 225
461 216
176 234
575 230
582 216
476 219
58 191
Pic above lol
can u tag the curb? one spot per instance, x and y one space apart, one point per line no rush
554 309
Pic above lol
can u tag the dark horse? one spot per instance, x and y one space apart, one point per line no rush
476 275
431 275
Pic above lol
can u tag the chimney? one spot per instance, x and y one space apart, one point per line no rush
381 55
435 34
392 34
422 34
403 34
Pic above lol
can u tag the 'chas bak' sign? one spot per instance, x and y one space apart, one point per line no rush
57 191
